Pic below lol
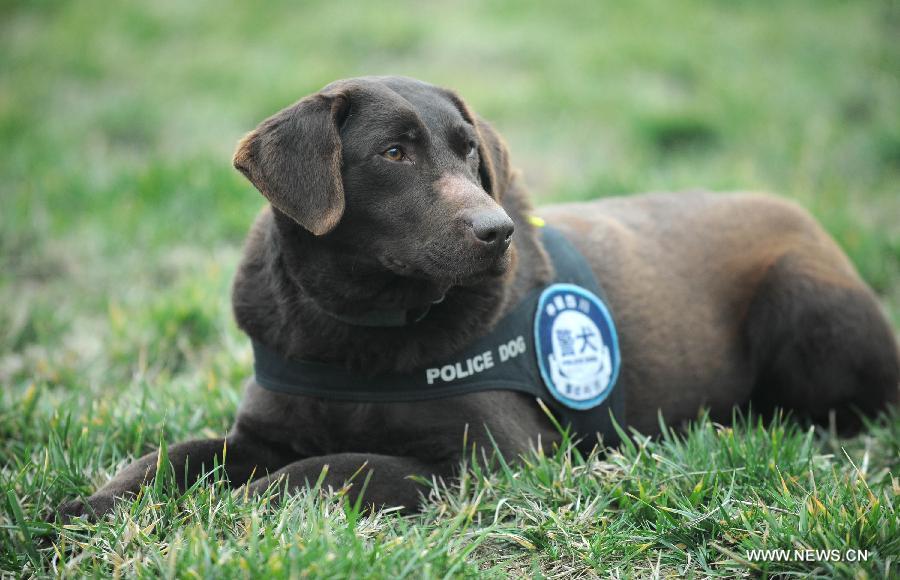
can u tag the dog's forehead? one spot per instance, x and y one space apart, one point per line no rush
400 103
424 97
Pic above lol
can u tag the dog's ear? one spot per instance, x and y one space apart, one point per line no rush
294 159
493 168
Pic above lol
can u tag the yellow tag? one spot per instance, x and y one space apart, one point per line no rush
536 221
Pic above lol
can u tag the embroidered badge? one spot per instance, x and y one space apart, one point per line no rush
576 345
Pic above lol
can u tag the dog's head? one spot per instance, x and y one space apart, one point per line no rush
391 173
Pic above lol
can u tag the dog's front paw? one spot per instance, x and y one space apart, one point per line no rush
93 508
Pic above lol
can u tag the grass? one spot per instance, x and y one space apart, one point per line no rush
122 220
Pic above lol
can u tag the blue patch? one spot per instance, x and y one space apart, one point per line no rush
576 345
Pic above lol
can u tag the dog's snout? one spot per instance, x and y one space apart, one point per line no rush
482 225
493 228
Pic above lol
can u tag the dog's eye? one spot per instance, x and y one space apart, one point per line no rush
394 154
473 149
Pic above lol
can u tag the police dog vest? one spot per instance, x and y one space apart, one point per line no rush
559 344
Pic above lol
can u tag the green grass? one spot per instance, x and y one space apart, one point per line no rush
121 223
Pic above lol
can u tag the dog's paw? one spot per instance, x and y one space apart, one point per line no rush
68 511
92 509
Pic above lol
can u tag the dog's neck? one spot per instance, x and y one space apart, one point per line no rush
384 317
288 296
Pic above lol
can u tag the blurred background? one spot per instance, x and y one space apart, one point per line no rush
122 218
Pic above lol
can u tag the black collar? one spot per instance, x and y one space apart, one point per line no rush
382 318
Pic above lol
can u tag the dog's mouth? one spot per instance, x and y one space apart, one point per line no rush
396 266
418 283
441 268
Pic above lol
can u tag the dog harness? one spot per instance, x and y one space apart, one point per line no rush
559 344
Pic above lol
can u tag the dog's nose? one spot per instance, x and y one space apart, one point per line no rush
494 229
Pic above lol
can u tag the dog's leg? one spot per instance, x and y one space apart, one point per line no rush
820 342
390 484
243 458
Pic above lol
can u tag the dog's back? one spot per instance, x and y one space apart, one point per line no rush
721 299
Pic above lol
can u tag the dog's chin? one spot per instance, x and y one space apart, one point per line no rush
494 271
466 272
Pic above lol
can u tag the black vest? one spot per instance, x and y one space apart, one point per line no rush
526 352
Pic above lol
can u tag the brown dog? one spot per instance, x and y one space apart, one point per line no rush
387 248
